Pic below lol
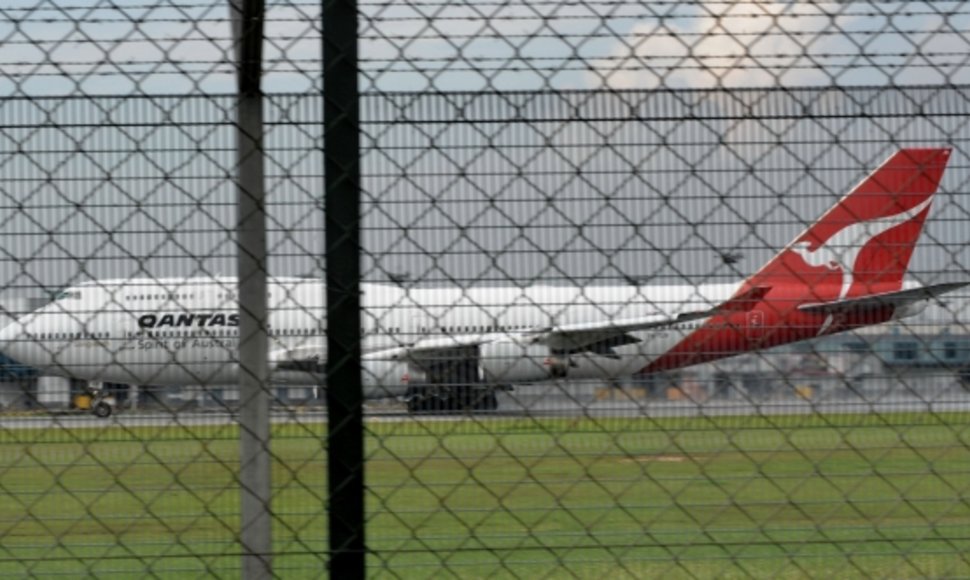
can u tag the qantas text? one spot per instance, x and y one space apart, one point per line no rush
188 319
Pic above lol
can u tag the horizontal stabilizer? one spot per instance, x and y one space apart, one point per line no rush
873 301
742 302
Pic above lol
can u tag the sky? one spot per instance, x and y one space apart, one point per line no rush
653 178
69 47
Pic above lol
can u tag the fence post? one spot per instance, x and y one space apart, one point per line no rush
254 436
345 447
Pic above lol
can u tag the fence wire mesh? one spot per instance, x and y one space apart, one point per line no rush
559 202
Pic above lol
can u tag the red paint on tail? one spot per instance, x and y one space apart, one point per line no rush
861 246
865 241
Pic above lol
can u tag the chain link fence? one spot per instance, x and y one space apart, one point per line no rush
551 192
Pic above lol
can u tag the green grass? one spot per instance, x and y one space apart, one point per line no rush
798 496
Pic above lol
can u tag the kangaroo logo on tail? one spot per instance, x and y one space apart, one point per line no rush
838 255
841 251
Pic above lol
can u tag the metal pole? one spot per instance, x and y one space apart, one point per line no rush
254 437
345 442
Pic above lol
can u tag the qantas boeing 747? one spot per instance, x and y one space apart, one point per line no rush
452 348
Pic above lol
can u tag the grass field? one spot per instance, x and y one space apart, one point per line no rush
796 496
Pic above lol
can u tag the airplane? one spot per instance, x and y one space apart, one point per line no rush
449 349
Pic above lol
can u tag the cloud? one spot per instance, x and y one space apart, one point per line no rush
186 48
735 45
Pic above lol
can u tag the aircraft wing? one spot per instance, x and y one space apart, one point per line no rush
442 347
599 336
309 358
894 299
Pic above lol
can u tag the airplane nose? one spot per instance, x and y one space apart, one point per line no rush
13 341
13 351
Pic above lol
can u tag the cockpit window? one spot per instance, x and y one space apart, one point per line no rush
68 295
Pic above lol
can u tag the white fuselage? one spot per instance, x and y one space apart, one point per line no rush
185 331
845 271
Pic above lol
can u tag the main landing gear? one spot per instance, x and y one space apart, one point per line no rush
450 398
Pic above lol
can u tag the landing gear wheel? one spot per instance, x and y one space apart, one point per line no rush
490 402
101 410
430 399
483 400
417 399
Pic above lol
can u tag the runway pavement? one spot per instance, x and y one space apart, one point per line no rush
560 407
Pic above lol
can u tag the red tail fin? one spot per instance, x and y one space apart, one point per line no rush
863 244
860 247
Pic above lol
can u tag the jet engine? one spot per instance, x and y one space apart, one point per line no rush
389 378
516 362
